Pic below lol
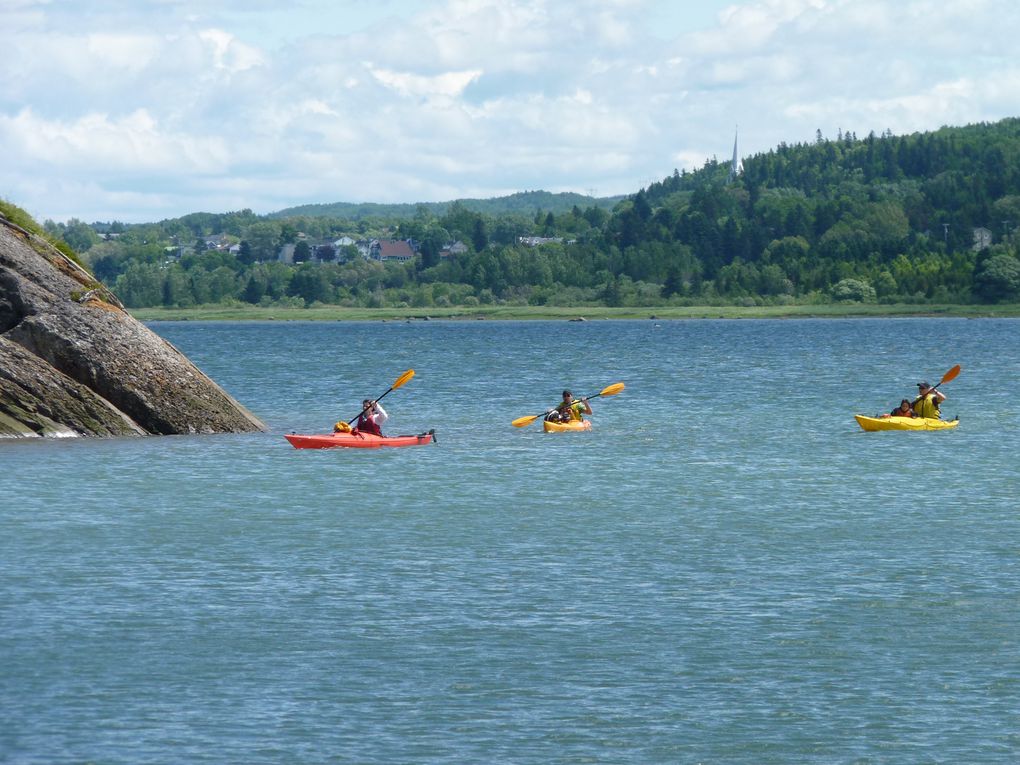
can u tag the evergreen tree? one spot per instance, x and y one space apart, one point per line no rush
253 291
302 252
245 253
479 237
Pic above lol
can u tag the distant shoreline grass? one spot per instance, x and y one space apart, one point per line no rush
515 313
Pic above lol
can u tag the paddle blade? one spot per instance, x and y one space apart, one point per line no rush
403 379
612 390
950 375
521 422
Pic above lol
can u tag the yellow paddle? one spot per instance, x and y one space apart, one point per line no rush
609 390
345 427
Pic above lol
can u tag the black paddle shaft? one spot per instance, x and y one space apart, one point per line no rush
351 422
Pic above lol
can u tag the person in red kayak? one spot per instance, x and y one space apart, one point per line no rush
371 418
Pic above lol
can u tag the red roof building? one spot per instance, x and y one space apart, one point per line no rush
392 249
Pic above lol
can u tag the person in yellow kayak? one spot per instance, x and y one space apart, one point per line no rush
927 402
370 420
903 410
569 409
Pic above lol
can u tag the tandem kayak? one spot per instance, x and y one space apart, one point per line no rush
565 427
357 440
903 423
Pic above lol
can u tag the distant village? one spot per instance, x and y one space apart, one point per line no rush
345 248
395 250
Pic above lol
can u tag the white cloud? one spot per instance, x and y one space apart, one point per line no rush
957 101
140 111
228 53
127 53
131 144
446 84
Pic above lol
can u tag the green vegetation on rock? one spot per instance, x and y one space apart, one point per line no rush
23 220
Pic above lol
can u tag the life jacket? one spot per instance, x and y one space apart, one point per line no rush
926 406
571 411
365 425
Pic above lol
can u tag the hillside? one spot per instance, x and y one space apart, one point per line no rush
920 219
929 215
526 203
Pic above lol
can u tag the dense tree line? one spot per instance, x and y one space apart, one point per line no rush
929 217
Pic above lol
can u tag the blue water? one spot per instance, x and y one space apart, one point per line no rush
724 570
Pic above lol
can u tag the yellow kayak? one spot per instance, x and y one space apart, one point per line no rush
564 427
903 423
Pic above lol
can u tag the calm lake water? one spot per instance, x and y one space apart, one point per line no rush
726 569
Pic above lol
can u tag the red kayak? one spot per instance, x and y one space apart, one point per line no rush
357 440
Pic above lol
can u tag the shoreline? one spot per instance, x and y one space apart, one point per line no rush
596 313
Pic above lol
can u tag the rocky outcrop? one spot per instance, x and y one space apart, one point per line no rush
74 363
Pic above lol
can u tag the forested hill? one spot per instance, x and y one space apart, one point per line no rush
522 203
919 215
924 218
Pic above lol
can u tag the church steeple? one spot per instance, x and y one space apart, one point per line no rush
735 163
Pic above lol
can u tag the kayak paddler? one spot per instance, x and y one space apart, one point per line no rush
570 408
370 420
927 402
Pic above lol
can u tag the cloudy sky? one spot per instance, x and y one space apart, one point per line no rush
140 110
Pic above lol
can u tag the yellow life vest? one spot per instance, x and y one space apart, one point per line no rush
573 411
925 407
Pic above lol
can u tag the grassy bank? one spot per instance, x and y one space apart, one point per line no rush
337 313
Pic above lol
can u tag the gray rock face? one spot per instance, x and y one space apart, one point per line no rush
74 363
